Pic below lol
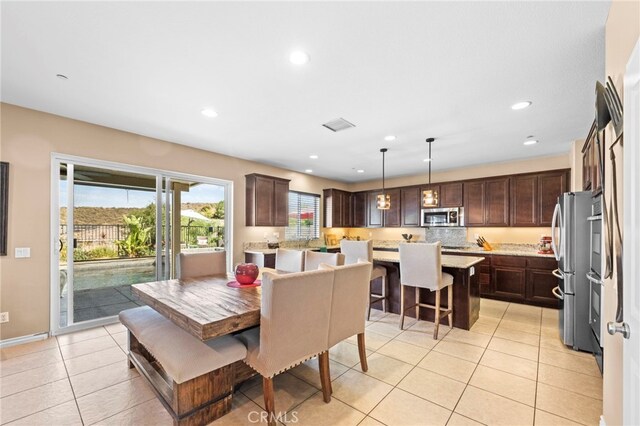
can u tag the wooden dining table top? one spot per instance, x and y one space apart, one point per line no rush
205 307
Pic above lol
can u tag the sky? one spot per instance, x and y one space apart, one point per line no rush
94 196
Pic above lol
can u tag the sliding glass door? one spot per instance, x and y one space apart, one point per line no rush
117 225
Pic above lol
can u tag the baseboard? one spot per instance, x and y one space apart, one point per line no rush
24 339
602 422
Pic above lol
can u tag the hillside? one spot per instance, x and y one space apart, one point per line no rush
113 215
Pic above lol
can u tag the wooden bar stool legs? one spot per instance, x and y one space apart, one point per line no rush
378 297
439 313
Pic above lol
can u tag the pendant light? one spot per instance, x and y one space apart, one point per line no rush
383 201
430 196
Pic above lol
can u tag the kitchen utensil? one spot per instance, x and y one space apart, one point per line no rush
614 105
407 237
603 116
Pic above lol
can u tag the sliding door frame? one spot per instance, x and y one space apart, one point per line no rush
162 177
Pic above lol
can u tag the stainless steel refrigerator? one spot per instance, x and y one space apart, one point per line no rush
571 242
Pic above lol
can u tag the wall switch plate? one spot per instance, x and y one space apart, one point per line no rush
4 317
23 252
472 271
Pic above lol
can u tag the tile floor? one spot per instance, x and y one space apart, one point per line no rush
509 369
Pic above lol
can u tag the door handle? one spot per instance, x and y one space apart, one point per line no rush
623 329
556 273
591 277
556 212
556 293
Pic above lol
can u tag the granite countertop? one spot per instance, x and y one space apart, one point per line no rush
448 261
500 252
273 251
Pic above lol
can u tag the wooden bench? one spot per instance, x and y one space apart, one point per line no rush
193 379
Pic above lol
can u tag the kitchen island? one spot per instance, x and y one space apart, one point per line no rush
466 290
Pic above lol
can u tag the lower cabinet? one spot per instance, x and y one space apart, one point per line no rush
519 279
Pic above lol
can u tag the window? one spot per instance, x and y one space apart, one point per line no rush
304 216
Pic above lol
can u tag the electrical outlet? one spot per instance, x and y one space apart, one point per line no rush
4 317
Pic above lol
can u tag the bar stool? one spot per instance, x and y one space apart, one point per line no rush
354 250
421 267
289 260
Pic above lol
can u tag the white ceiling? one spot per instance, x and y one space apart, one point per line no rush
449 70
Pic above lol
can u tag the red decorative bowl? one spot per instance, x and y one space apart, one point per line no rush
246 273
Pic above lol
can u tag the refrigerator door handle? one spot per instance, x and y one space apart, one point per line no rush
554 245
594 278
557 293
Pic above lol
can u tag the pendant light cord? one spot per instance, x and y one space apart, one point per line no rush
430 161
383 151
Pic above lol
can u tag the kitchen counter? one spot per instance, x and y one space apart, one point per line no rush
448 261
466 288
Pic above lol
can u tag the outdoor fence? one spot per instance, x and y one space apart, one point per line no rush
93 236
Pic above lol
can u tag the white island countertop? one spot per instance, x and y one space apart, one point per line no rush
448 260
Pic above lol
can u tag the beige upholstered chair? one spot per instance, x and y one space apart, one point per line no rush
294 327
349 304
354 250
193 265
313 259
421 267
289 260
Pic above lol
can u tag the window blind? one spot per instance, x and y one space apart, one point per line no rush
304 216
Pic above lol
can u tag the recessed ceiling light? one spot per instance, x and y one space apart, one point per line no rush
360 171
313 156
298 57
521 105
208 112
308 171
426 160
62 77
531 142
389 138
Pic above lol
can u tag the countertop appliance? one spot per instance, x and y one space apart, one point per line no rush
595 278
570 241
450 216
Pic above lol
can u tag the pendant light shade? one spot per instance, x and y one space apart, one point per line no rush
383 201
430 196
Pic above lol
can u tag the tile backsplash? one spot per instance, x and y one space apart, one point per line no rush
450 237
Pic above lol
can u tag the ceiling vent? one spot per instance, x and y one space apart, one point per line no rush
338 124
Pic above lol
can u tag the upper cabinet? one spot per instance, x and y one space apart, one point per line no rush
534 197
359 208
516 200
410 200
337 208
592 155
451 194
267 200
486 202
392 216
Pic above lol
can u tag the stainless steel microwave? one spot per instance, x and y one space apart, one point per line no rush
452 216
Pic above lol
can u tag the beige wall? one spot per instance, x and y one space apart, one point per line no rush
27 140
622 32
29 137
575 156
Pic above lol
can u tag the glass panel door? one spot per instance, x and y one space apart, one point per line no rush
107 240
119 225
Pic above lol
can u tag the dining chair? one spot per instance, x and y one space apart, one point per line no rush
354 250
192 265
349 305
421 267
289 260
294 327
313 259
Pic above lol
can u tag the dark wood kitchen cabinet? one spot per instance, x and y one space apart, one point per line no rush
474 204
337 208
374 215
486 202
550 186
359 209
521 279
533 197
392 216
592 154
267 200
497 202
411 204
450 194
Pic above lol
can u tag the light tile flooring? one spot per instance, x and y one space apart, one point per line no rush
509 369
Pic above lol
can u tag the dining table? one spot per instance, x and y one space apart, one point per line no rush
205 306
